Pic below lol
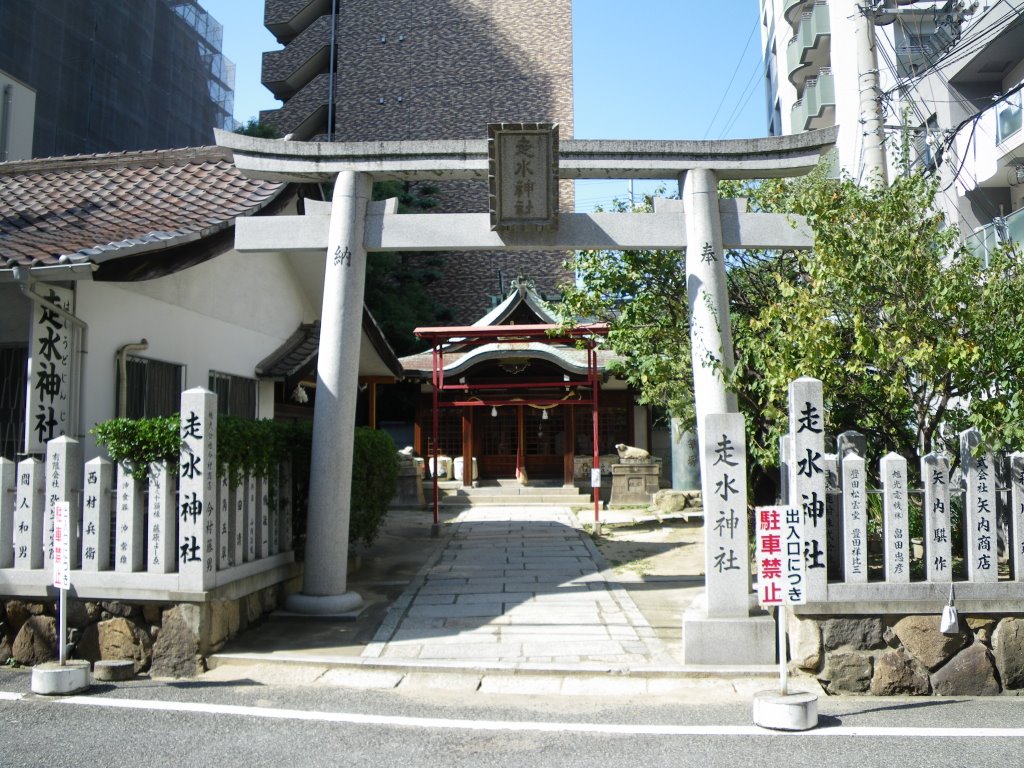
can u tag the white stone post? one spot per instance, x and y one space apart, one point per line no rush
284 499
223 523
28 515
726 558
162 545
197 490
855 519
129 537
238 522
63 483
99 480
325 582
252 509
262 518
6 513
707 297
938 531
893 472
979 517
807 479
1017 515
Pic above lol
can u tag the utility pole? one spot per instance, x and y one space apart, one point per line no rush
870 115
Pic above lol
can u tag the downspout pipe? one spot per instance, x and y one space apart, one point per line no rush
122 374
23 277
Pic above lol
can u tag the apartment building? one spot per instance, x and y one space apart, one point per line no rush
943 78
371 70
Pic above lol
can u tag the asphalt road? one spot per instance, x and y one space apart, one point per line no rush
249 724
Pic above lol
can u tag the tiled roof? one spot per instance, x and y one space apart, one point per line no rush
100 207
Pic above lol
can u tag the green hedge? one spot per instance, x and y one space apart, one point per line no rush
247 446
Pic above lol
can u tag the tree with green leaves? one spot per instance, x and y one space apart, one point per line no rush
253 127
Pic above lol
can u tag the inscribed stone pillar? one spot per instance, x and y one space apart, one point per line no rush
707 296
162 517
197 484
893 472
99 480
63 483
6 513
224 537
238 528
979 509
330 482
724 494
251 514
284 499
855 518
834 516
938 560
129 537
807 478
28 515
1017 515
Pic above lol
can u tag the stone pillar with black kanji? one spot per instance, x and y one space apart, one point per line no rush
197 490
96 514
28 514
807 485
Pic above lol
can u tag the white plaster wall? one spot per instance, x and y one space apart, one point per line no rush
225 315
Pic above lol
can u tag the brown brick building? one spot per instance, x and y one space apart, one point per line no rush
431 69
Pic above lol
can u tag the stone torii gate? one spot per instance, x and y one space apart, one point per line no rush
351 226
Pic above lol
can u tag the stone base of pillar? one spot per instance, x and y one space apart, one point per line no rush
740 641
790 712
55 679
323 605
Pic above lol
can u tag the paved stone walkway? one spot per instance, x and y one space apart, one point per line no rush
517 585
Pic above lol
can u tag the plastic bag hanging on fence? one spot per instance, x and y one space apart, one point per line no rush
950 622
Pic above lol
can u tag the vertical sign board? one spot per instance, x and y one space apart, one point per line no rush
855 512
938 560
1017 514
893 472
197 494
99 475
807 478
779 552
979 509
522 175
726 559
62 546
48 400
63 481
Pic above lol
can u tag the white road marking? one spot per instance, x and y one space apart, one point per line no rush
548 727
5 696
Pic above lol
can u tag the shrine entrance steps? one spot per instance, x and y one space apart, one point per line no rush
505 493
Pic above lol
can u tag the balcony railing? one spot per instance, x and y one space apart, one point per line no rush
814 27
984 241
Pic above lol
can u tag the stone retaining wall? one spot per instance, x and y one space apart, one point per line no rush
164 639
907 655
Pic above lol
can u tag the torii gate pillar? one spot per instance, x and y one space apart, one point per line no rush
330 483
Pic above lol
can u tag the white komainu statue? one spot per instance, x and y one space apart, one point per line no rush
631 453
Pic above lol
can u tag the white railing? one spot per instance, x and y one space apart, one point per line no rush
176 534
846 574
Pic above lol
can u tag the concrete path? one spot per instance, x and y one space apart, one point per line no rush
518 585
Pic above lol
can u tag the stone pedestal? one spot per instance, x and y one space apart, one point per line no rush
410 487
634 483
789 712
743 641
56 679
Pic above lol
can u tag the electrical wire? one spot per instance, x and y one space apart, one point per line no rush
739 62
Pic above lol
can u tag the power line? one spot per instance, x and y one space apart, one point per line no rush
736 69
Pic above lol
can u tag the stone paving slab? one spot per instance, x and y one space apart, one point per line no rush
522 586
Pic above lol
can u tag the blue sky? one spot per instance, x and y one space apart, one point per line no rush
643 69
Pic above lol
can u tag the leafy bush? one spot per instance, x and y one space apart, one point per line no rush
374 482
137 443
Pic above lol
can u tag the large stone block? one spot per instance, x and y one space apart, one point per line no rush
847 672
36 641
176 651
860 634
970 673
922 639
1008 650
121 639
804 642
896 674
